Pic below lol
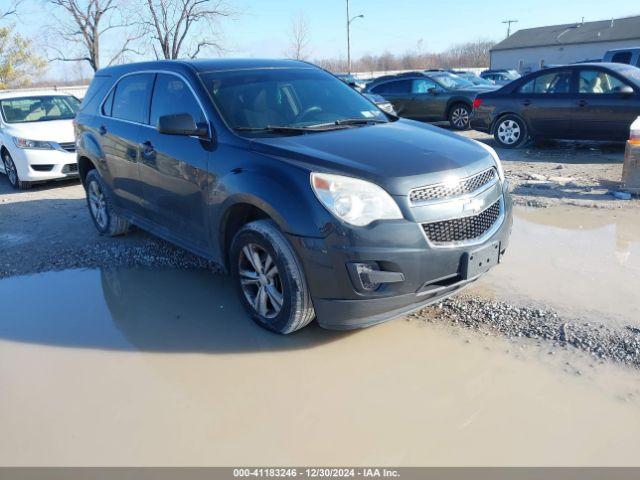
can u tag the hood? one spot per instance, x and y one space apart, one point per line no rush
60 131
398 155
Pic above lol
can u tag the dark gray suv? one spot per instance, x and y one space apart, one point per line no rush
430 96
318 203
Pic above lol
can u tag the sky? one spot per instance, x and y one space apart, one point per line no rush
261 27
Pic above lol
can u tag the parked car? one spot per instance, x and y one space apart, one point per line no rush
317 203
500 76
381 103
629 56
429 96
596 101
36 137
351 81
475 79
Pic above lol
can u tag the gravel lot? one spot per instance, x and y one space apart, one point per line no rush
48 228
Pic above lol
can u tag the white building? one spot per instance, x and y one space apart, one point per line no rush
533 48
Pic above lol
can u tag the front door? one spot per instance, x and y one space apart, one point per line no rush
173 168
429 100
602 111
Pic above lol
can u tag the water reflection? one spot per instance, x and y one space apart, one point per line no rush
141 309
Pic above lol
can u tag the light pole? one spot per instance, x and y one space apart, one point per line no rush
349 20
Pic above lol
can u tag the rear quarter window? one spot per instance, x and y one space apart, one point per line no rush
98 88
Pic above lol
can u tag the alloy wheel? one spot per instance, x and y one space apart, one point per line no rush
10 169
260 280
509 132
460 117
98 204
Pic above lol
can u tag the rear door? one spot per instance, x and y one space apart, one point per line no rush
546 102
602 111
398 92
122 115
173 168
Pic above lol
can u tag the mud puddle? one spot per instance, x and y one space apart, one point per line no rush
585 263
162 367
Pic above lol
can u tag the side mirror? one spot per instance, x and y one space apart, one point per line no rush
626 90
181 124
433 90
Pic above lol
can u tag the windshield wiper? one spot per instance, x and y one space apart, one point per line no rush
279 129
358 121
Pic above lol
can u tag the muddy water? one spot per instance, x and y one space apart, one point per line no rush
135 367
583 262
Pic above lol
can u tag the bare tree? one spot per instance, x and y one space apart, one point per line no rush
182 28
82 27
298 38
11 9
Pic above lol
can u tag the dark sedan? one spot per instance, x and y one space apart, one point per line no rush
587 101
430 96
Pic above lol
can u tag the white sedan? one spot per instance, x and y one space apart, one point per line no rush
37 140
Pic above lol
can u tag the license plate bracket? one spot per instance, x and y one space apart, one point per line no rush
479 261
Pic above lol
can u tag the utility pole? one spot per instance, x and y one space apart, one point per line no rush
509 22
349 20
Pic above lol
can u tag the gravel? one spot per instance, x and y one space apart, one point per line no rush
500 318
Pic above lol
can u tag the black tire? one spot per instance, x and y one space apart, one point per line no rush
12 173
459 116
111 224
510 131
296 309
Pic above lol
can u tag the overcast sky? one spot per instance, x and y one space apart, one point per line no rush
261 27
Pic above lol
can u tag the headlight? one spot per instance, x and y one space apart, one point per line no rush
37 144
354 201
496 159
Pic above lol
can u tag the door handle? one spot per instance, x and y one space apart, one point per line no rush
582 103
102 130
526 103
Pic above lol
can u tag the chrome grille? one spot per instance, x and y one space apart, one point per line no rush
441 191
68 146
462 229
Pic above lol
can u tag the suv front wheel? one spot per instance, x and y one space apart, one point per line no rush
269 278
459 116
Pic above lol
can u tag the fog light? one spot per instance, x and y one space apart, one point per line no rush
364 270
367 276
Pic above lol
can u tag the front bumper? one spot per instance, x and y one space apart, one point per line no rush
42 165
430 273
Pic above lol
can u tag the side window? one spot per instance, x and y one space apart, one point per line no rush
621 57
549 83
598 82
171 96
398 86
422 85
131 98
108 104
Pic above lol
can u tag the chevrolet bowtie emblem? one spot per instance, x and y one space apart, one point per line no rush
475 205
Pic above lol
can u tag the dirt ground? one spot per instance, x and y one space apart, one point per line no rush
548 173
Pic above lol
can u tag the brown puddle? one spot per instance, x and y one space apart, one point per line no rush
585 263
162 367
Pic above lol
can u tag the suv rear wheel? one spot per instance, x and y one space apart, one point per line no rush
269 278
510 132
106 221
459 116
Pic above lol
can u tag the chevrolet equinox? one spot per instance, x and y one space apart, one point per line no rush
316 202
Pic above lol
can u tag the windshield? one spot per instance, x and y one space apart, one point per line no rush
451 81
292 97
629 72
476 80
39 109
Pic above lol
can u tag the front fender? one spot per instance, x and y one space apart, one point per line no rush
285 195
